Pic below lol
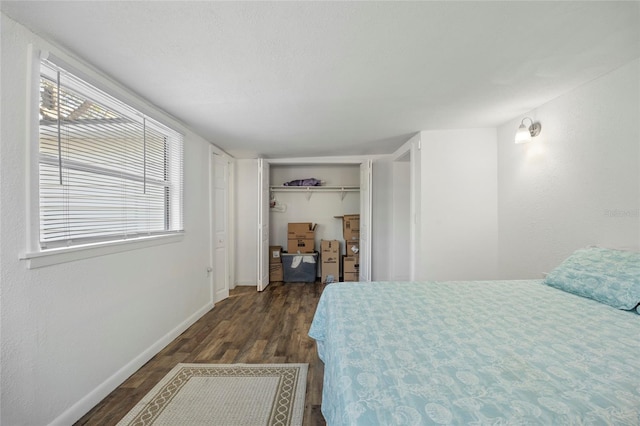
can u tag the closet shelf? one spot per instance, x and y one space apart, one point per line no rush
308 190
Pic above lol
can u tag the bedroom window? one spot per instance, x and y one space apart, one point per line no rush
106 171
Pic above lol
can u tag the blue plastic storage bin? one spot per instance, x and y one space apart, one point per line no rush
300 267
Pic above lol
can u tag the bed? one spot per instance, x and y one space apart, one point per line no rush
484 352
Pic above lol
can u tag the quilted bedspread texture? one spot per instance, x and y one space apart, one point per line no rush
481 352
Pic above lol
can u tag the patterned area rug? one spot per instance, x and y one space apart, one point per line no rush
223 394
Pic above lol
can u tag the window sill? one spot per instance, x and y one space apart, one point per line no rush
69 254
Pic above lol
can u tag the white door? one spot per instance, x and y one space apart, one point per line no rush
263 224
365 221
220 228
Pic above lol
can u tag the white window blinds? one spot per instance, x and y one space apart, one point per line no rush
106 171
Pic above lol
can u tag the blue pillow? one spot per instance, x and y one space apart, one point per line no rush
606 275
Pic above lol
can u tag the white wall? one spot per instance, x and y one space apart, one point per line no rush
246 222
396 203
578 184
458 196
391 217
320 208
400 233
74 331
381 220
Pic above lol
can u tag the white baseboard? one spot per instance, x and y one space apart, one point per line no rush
80 408
246 284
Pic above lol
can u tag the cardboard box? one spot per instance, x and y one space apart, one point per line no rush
276 273
329 248
352 247
301 246
351 277
330 269
301 231
330 257
351 227
350 264
275 254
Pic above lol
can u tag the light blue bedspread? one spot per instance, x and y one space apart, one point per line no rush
481 352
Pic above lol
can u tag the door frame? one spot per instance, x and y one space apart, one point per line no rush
412 148
366 213
263 224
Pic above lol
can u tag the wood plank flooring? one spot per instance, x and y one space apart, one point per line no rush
248 327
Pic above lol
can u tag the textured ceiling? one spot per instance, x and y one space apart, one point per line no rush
291 79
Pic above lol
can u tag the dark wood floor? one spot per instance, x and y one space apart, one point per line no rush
248 327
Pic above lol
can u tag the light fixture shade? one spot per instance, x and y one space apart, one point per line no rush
523 135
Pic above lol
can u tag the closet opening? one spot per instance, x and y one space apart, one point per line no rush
344 190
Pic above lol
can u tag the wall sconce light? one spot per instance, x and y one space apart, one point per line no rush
525 133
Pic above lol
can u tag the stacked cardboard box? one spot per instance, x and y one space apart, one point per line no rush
351 268
351 227
301 237
275 254
351 235
352 248
275 264
330 258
